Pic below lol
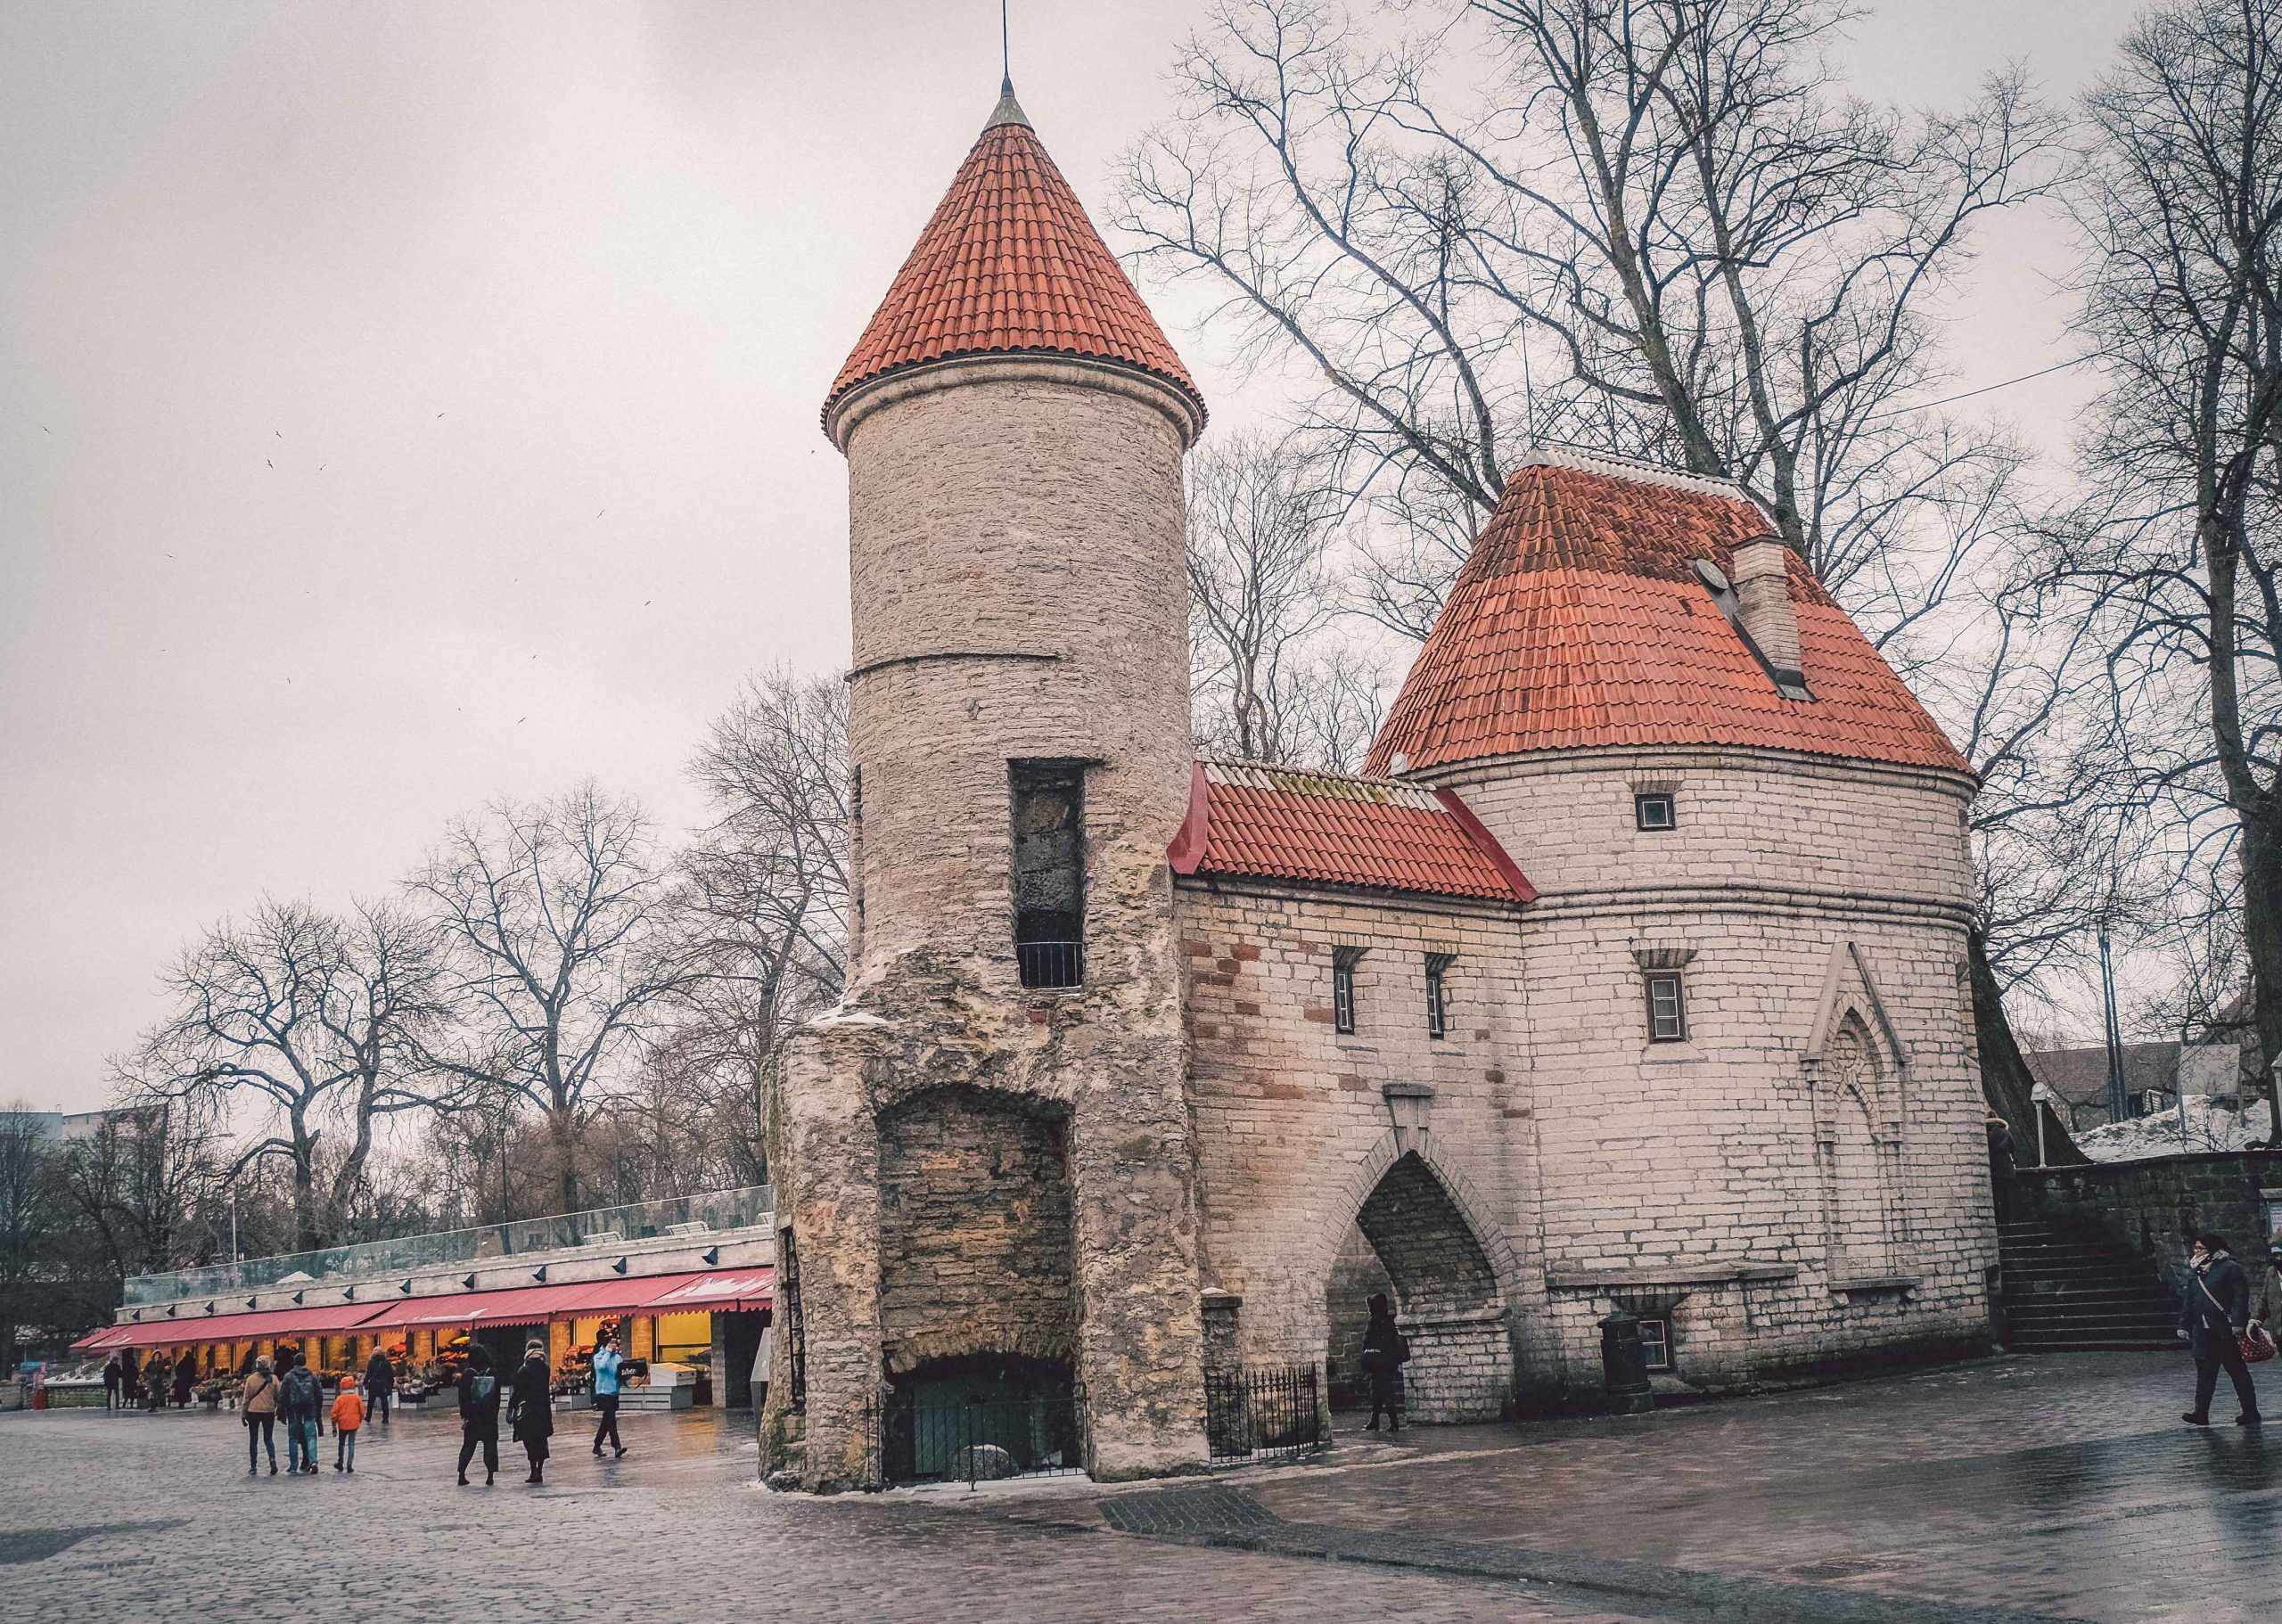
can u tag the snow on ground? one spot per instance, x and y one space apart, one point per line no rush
2209 1127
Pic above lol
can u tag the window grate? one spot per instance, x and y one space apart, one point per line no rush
1667 1008
1438 1008
1047 966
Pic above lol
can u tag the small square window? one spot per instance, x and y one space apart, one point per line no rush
1667 1009
1344 961
1438 965
1655 813
1656 1343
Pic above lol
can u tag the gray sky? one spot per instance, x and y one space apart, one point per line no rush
404 405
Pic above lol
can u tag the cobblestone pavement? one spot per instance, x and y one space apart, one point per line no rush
2061 1487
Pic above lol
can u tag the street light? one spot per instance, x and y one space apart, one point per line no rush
2042 1095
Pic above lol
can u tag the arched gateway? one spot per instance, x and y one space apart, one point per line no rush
1410 1239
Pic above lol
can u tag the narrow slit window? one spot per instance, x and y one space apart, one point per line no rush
1438 1007
1344 961
1655 813
1048 804
1667 1008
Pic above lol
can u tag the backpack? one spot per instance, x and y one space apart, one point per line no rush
481 1390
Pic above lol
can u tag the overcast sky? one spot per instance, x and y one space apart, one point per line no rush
405 404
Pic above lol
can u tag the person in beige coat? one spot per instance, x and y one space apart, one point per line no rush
258 1402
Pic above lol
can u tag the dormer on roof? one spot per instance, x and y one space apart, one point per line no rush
1009 263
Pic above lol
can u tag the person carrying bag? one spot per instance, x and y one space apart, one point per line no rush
2215 1321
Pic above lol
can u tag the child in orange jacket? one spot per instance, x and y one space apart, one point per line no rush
347 1415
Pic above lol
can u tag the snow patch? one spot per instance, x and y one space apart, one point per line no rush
2209 1127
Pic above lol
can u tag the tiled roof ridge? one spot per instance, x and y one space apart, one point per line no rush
1318 781
1584 459
1010 263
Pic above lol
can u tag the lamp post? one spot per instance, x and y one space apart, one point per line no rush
2041 1096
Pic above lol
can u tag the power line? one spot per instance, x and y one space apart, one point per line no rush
1927 406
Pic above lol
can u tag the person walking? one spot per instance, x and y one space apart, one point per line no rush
606 1364
478 1415
2215 1312
112 1378
1385 1352
2266 1294
154 1383
257 1403
186 1380
531 1412
130 1382
348 1416
300 1399
379 1383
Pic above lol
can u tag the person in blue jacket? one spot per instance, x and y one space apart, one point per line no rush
607 1365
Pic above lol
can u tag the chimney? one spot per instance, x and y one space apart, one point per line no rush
1762 573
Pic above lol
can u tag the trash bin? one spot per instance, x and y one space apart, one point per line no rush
1624 1367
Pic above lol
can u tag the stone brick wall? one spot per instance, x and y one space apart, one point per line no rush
974 1231
1803 1179
2156 1204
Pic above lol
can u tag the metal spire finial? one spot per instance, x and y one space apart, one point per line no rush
1008 110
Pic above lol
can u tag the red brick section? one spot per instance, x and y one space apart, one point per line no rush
1274 823
1010 263
1578 621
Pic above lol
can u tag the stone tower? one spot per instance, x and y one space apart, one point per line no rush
985 1186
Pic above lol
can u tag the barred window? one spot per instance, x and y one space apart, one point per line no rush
788 1309
1344 961
1667 1008
1438 967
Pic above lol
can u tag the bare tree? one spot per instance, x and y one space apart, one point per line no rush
1271 678
35 1214
2179 551
313 1016
560 966
764 899
1654 225
146 1175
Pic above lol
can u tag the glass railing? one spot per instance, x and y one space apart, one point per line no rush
643 1220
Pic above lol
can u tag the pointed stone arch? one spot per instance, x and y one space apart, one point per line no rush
1857 1104
1451 1271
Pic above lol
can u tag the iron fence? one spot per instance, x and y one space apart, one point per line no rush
1050 965
1262 1412
978 1441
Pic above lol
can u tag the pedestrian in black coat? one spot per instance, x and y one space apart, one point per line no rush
1385 1351
113 1380
478 1415
186 1380
380 1384
2215 1311
531 1412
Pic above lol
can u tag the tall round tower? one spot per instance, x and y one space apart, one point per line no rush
985 1187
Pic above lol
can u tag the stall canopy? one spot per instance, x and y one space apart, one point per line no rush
716 1291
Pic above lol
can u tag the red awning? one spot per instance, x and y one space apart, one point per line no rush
708 1292
157 1330
718 1291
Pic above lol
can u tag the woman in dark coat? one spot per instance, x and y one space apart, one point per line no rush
1384 1353
185 1379
532 1410
2215 1312
478 1415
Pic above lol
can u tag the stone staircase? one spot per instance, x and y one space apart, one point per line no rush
2073 1288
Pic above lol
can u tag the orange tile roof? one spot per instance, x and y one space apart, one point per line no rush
1274 823
1578 621
1009 262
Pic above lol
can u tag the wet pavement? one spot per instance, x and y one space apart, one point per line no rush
2055 1488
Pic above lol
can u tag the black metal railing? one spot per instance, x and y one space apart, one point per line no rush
1262 1412
1048 966
978 1440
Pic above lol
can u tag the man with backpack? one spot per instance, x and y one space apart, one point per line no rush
478 1415
300 1397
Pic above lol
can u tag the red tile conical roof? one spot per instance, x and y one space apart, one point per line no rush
1010 263
1579 621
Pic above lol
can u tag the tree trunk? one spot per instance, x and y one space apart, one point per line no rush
2006 1083
2262 860
564 1133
